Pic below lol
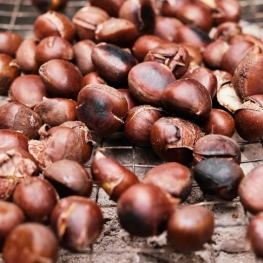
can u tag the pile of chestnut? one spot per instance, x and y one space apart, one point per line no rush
177 76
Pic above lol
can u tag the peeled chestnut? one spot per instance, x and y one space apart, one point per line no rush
17 116
138 124
248 118
69 178
61 78
250 190
173 139
219 177
172 177
73 233
11 138
216 146
63 109
28 90
190 227
102 108
140 213
30 243
113 177
11 216
36 197
147 80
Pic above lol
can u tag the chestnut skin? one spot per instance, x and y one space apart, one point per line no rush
11 138
219 177
30 243
190 227
110 6
36 197
140 214
216 146
172 177
112 176
77 222
250 190
69 178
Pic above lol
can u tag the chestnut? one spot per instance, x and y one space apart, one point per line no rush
219 177
73 233
172 177
190 227
28 90
30 243
82 50
70 141
63 109
11 138
117 31
17 116
254 235
53 47
69 178
36 197
61 78
113 177
139 212
173 139
250 190
18 163
226 30
194 53
102 108
219 122
11 216
174 56
9 43
55 5
142 13
147 80
54 23
25 56
216 146
112 63
132 102
248 118
138 124
187 98
9 70
86 20
93 78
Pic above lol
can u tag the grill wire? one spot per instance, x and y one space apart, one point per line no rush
114 244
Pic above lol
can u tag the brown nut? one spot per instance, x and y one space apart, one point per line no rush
61 78
9 43
73 233
172 177
147 80
63 109
16 116
226 30
112 63
93 78
194 53
53 47
102 108
110 6
187 98
138 124
174 56
173 139
132 102
112 176
28 90
248 118
139 212
36 197
216 146
219 177
250 192
56 5
11 138
53 23
69 178
190 227
30 242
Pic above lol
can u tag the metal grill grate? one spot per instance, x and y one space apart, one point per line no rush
114 244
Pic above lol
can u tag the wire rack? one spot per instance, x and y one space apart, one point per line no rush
114 244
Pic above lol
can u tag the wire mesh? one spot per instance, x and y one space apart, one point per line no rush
114 244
